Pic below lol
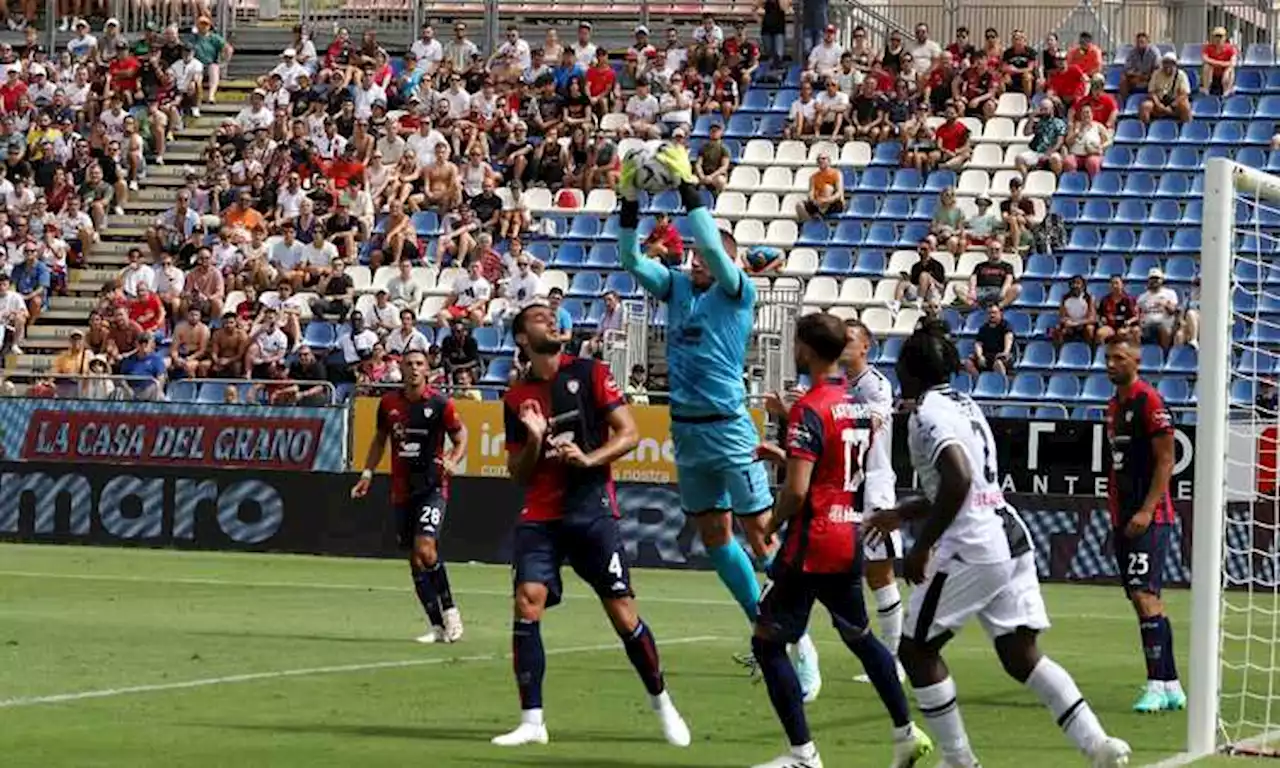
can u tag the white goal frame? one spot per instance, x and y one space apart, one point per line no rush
1224 180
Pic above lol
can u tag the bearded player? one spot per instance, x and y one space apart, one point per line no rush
972 559
829 456
416 418
566 423
1140 431
711 309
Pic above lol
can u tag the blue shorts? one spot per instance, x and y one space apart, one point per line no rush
1141 560
593 548
717 468
787 601
422 515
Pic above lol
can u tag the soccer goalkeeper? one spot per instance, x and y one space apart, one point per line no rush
710 314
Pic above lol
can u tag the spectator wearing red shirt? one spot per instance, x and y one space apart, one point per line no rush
1218 74
665 243
600 81
1069 84
492 267
124 77
1103 105
1086 55
1117 315
12 89
345 168
953 140
146 309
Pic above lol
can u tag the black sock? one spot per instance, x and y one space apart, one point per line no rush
784 689
691 196
422 584
530 662
883 672
629 214
643 652
440 581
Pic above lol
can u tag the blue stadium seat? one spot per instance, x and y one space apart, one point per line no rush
182 391
1192 213
881 235
874 179
940 180
1038 356
863 206
1118 240
1097 388
1206 107
740 127
972 322
953 320
1032 295
912 234
1177 185
320 336
1263 333
1100 211
584 227
783 100
962 383
1251 242
1073 264
1152 359
770 125
887 153
611 227
1186 240
1120 158
888 353
755 100
1074 356
1250 82
814 234
1045 322
1066 207
569 256
907 180
871 262
1182 359
1140 185
1166 212
839 262
702 126
1130 132
1013 412
1269 107
665 202
539 251
1131 104
990 386
603 257
1154 240
1272 82
1227 132
1190 55
1184 159
1073 183
624 284
1057 291
1148 159
924 208
426 223
848 232
1099 359
1219 150
1180 269
1108 264
895 207
586 285
1112 77
1254 157
1244 392
1105 184
1239 107
1194 133
1259 132
659 318
498 372
216 392
1063 387
1039 267
1049 412
1256 362
1130 211
1084 239
1020 322
1251 275
489 340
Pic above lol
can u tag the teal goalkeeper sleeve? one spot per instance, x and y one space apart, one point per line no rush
706 236
652 276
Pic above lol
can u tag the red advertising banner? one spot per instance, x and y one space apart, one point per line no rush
173 439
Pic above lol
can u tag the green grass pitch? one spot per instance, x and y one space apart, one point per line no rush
270 660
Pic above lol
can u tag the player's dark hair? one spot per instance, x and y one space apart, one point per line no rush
517 323
823 333
929 355
405 355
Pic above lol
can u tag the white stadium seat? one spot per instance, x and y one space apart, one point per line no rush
986 157
856 154
801 182
974 125
999 130
801 262
791 152
878 320
782 233
744 178
430 307
613 122
844 313
601 201
731 204
365 304
788 204
969 260
1012 105
1016 260
827 148
425 277
901 261
886 290
1000 183
360 280
552 278
1011 153
537 200
763 205
947 261
822 290
496 309
758 152
855 291
775 179
906 321
1040 184
973 182
382 277
749 232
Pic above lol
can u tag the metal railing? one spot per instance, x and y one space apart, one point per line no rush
248 391
77 386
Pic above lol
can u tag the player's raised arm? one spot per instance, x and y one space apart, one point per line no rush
653 276
526 431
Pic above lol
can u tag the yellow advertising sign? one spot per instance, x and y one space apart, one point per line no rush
653 461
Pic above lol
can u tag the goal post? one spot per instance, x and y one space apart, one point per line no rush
1234 681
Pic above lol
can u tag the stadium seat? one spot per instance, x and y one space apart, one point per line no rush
1038 356
896 207
1152 358
839 262
870 263
498 372
1063 387
1105 184
1097 388
1040 267
990 386
624 284
1175 391
1074 357
1013 412
586 285
814 234
888 353
1118 240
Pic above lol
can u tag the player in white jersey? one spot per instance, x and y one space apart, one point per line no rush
972 558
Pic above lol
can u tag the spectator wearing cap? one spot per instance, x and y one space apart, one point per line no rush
257 116
75 360
1047 132
145 368
1101 104
826 192
288 69
83 45
1142 62
772 15
824 59
1218 73
111 40
428 50
1158 310
1168 93
642 113
714 160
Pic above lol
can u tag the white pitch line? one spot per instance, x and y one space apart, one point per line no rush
250 677
380 588
1176 761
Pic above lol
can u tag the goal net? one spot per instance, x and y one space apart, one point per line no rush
1234 696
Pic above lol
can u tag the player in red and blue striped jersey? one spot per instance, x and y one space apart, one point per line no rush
830 437
1140 433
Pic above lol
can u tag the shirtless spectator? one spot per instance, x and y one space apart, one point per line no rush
204 287
189 347
444 189
124 335
228 347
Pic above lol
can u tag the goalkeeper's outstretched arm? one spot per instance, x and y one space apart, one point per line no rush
652 276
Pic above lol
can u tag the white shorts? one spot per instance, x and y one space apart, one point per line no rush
1031 158
1004 596
884 548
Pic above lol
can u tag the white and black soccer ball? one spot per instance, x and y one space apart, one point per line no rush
651 176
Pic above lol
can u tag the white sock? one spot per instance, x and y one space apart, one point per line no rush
661 702
1057 691
805 751
1156 686
531 717
1172 686
937 703
806 647
889 613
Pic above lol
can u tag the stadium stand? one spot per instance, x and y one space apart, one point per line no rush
496 190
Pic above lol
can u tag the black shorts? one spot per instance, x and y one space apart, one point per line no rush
422 515
787 601
833 208
1140 560
593 548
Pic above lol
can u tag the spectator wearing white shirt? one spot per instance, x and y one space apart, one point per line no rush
1159 308
642 113
288 69
407 338
13 316
170 282
83 45
523 287
676 107
824 59
367 94
357 343
458 98
317 257
267 347
428 50
136 272
803 118
469 298
424 143
923 50
257 116
584 51
289 200
675 57
286 256
642 47
188 73
383 316
708 38
403 291
460 50
832 108
512 57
